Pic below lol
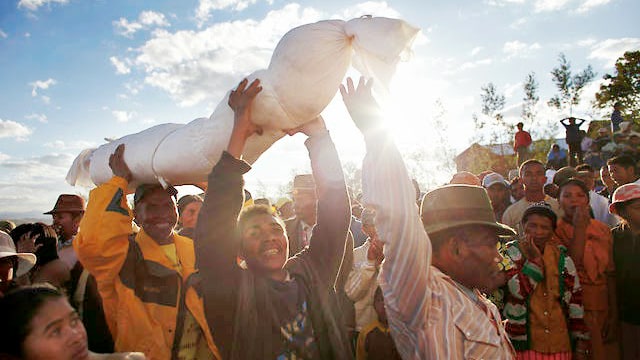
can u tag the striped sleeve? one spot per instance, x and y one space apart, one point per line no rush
406 269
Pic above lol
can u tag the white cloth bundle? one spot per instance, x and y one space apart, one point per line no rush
305 71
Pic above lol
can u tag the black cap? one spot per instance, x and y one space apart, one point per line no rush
144 189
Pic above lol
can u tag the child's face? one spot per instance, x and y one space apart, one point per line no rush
378 305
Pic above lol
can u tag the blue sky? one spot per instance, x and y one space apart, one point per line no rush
77 71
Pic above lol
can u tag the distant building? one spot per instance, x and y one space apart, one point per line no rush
499 158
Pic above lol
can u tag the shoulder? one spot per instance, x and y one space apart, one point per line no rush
600 227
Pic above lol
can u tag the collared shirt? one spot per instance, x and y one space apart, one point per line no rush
429 315
361 285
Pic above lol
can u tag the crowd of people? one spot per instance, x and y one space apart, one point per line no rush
542 265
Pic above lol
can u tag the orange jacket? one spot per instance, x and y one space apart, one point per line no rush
144 298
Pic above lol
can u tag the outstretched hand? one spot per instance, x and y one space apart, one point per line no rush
27 243
118 165
360 103
241 101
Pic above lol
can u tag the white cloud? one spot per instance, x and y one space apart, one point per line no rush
40 117
587 42
192 66
476 50
4 157
470 65
13 129
122 116
125 28
610 50
121 66
152 18
205 7
550 5
503 2
146 20
3 34
579 6
590 4
515 49
46 99
39 84
33 5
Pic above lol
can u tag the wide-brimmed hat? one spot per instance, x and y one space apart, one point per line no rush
622 194
457 205
67 203
8 248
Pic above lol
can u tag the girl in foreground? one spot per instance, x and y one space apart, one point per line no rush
39 323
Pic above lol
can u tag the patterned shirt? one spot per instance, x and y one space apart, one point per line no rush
430 316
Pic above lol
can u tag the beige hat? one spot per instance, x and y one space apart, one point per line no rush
452 206
8 248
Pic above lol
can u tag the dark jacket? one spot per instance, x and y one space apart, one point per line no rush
235 299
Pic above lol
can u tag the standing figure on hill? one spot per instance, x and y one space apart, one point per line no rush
574 139
616 117
521 143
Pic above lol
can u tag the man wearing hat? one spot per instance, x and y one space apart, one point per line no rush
626 252
304 206
12 264
434 269
147 279
67 214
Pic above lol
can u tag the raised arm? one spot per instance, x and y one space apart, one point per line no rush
387 188
216 243
326 246
103 241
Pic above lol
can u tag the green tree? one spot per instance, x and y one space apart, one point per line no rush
492 106
622 86
569 86
530 99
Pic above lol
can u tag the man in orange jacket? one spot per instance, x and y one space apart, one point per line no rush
147 279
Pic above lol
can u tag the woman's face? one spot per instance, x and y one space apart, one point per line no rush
56 333
189 216
572 197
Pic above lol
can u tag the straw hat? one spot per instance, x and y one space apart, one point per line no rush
8 248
